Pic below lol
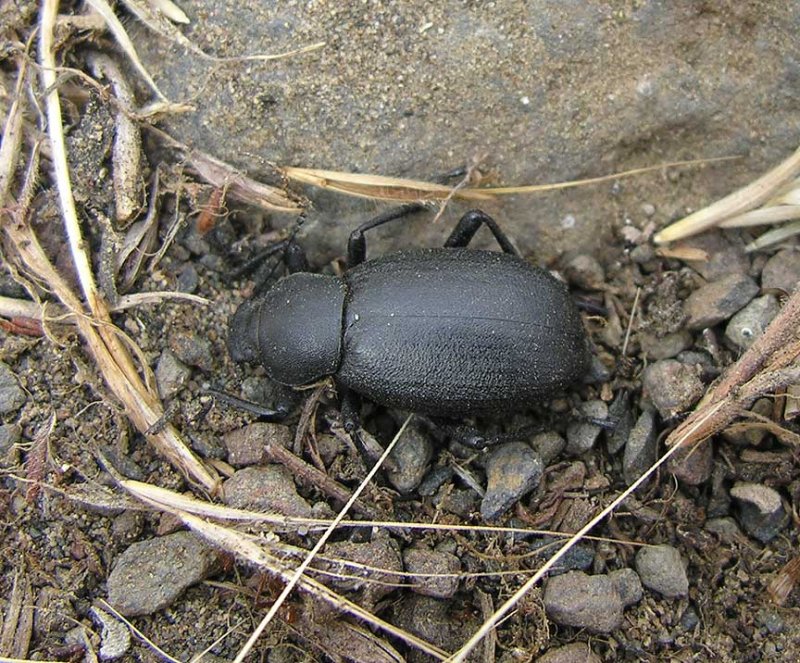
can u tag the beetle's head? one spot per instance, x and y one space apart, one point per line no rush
294 329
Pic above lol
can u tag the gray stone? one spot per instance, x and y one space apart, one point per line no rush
410 459
641 449
246 445
436 621
751 436
667 346
761 513
10 434
192 349
672 387
782 271
549 445
692 465
583 601
582 435
749 323
377 567
628 584
577 652
12 396
512 471
171 374
427 564
726 529
585 272
661 569
719 300
725 254
269 489
151 574
115 636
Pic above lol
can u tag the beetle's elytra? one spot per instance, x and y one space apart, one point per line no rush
446 332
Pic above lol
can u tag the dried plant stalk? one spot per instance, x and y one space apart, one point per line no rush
745 199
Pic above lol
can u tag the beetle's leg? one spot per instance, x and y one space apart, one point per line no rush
467 227
357 244
262 412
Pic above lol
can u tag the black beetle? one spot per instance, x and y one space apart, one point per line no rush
446 332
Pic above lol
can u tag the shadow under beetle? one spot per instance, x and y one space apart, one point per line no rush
446 332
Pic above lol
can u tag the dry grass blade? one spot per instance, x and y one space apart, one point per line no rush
300 570
247 549
774 236
170 10
745 199
235 183
125 43
785 581
17 623
380 187
100 335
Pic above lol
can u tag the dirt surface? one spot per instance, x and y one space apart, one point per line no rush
415 90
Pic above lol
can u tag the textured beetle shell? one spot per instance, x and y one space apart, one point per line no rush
456 331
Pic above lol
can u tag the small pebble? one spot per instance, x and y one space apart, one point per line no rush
585 272
665 347
648 209
719 300
584 601
621 414
188 279
628 584
749 323
151 574
693 465
381 554
269 489
192 349
582 435
434 480
725 528
549 445
12 396
771 619
641 449
115 636
661 569
725 255
689 619
577 652
432 562
410 459
672 387
10 434
782 271
246 445
761 513
512 471
171 374
751 436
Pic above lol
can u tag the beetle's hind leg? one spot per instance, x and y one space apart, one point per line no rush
357 244
467 227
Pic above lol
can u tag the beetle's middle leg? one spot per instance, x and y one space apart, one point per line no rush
467 227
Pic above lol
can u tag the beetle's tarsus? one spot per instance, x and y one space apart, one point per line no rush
276 414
